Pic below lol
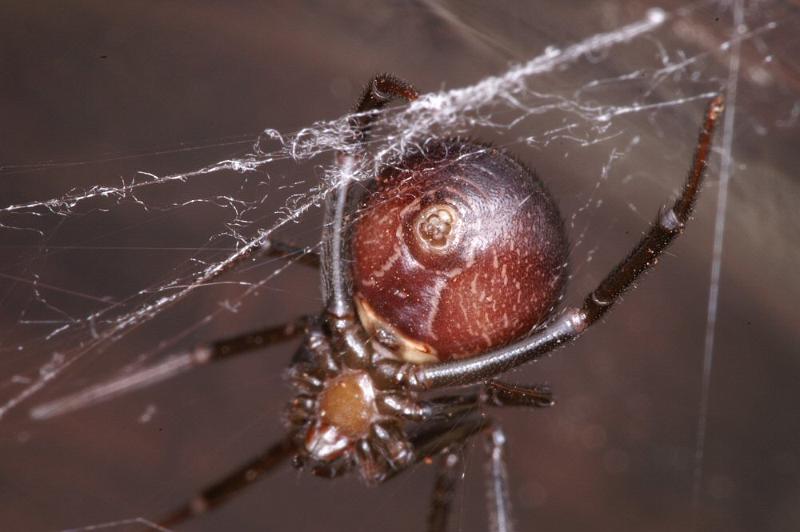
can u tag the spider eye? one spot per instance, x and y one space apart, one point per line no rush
458 249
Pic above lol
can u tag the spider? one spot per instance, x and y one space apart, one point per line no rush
458 257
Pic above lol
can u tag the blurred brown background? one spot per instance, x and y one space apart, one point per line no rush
167 87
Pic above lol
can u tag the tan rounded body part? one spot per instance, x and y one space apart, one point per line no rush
346 412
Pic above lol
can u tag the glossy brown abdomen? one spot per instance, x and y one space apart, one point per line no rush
459 249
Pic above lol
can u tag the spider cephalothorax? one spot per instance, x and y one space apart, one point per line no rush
339 418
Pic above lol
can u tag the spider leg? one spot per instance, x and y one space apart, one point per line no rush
574 321
230 485
268 247
305 256
381 90
335 274
500 394
447 440
493 393
499 503
437 437
336 281
448 473
199 355
446 424
498 499
174 365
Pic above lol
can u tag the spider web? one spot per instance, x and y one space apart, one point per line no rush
592 121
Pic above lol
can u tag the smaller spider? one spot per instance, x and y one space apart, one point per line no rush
458 257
